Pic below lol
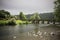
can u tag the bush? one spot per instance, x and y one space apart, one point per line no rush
11 22
7 22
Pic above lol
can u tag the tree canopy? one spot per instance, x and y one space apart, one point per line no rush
22 16
4 14
57 9
35 16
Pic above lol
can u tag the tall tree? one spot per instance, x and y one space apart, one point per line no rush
35 16
57 10
22 16
4 14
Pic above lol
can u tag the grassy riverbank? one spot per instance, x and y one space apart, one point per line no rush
7 22
22 22
13 22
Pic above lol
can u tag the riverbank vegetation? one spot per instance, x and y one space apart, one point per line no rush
13 22
57 10
22 22
7 19
7 22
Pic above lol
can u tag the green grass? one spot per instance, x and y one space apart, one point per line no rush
3 22
22 22
18 21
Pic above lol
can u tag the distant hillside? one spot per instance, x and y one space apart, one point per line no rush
49 16
43 16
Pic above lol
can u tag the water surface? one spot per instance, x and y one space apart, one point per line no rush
30 32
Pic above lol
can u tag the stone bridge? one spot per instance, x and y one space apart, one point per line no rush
43 21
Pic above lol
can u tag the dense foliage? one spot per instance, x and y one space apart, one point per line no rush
35 17
57 10
7 22
22 16
4 14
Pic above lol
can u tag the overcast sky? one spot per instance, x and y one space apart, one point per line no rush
27 6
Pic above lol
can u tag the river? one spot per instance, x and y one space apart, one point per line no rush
30 32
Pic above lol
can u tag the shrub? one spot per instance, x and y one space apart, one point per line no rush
11 22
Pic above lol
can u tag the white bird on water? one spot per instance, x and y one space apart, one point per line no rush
35 35
52 33
38 32
45 33
14 37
